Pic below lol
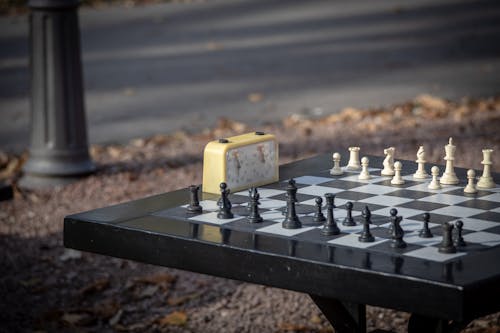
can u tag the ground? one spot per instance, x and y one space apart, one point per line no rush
47 288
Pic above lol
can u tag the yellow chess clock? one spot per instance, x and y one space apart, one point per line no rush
242 161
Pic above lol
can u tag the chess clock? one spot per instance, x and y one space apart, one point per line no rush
242 161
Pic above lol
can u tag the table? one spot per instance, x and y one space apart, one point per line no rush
443 295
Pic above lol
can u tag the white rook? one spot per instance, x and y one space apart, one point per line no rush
353 163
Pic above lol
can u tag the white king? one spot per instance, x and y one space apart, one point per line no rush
449 177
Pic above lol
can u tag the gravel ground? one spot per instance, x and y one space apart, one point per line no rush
46 288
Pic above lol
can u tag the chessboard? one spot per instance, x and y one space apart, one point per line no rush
480 214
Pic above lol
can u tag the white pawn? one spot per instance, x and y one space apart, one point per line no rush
336 170
397 179
365 174
434 184
353 163
470 188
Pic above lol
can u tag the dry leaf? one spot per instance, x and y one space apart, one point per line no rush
177 318
175 301
96 286
157 278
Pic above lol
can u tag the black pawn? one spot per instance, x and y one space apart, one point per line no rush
254 216
194 202
425 232
392 219
366 236
459 240
349 221
397 232
225 204
319 216
330 227
291 220
446 245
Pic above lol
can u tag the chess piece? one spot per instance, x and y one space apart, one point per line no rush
194 203
397 179
425 232
353 163
365 174
388 162
349 221
251 193
449 177
486 181
392 219
225 204
459 240
336 170
319 216
291 220
330 227
420 173
446 245
366 236
434 184
254 216
397 232
470 188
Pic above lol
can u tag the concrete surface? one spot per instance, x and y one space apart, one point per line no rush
159 68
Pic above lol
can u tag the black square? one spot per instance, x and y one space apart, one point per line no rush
480 204
493 230
422 205
460 192
342 184
435 218
387 182
353 195
403 193
281 185
489 216
299 209
300 197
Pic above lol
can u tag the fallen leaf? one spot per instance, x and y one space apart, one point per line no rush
95 286
157 278
175 301
176 318
69 254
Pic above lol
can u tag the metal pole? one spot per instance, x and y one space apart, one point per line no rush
58 149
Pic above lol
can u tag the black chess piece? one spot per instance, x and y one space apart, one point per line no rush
330 227
397 232
446 245
291 190
366 236
194 203
225 204
425 232
291 220
392 219
459 240
349 221
254 216
318 215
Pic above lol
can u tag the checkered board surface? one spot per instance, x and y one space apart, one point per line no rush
480 213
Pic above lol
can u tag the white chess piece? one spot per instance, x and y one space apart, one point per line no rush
486 181
449 177
365 174
353 163
336 170
388 162
420 173
470 188
434 184
397 179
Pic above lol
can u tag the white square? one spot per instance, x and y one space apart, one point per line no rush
312 202
476 224
496 210
410 226
271 203
374 189
432 253
411 178
448 199
350 229
424 188
342 213
495 197
212 218
263 192
458 211
318 190
312 180
355 178
414 238
385 200
405 212
273 215
279 230
352 240
209 205
495 189
484 238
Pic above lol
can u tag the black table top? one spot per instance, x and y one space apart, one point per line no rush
465 287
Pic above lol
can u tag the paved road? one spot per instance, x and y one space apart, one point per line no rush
159 68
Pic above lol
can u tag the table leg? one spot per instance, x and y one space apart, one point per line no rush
418 323
345 317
